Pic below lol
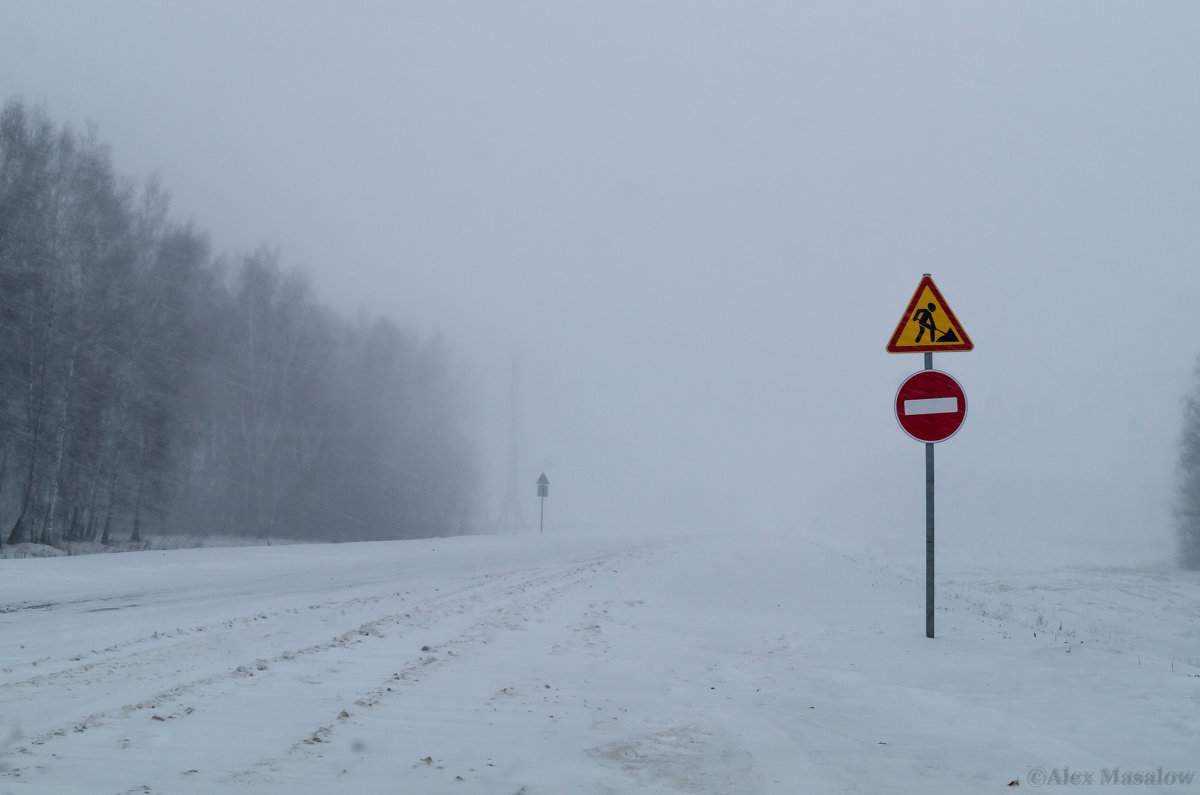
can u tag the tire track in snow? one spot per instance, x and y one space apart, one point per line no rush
112 656
530 595
424 611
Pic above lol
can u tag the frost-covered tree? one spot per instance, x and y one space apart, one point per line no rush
65 256
1188 506
143 384
90 359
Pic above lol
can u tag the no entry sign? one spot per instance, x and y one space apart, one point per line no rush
930 406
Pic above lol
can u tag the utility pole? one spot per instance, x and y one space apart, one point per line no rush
511 520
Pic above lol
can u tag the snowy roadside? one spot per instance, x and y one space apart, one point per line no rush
151 543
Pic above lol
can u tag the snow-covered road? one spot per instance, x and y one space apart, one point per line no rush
537 665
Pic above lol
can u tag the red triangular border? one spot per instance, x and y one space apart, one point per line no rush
964 344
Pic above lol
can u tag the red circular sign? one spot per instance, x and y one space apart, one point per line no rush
930 406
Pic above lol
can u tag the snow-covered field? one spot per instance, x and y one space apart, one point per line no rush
539 665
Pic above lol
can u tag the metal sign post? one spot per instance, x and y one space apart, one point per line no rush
930 405
928 525
543 492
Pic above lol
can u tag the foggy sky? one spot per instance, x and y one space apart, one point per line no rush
698 224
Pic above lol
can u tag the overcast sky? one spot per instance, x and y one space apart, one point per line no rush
698 225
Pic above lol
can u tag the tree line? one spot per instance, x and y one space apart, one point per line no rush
147 385
1187 507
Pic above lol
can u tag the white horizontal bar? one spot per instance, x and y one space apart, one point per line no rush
947 405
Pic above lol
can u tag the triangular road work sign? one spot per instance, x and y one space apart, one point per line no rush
928 324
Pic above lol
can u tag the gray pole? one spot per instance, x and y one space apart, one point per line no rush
929 525
542 516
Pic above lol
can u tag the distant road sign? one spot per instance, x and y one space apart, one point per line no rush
930 406
928 324
543 484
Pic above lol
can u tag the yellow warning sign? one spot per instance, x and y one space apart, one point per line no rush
928 324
